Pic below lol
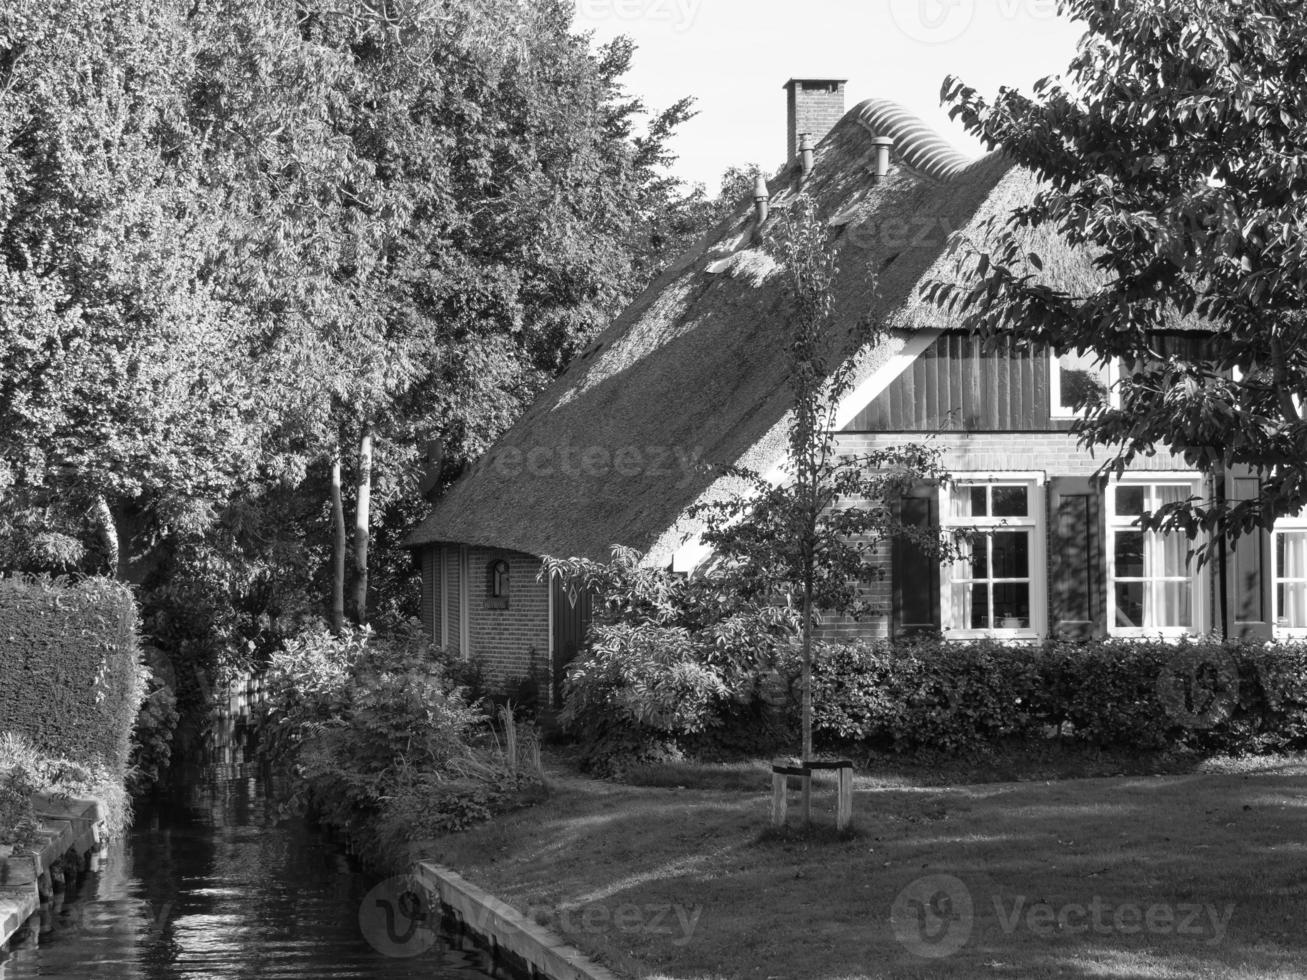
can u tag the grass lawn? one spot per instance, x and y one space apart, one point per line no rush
1183 876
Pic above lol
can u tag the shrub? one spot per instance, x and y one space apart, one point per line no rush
669 659
947 696
152 737
71 680
25 769
1201 696
632 698
675 665
18 823
635 690
361 719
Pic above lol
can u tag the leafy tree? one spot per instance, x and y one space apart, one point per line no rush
123 390
245 241
481 220
1172 156
810 541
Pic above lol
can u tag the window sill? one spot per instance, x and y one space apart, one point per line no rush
998 634
1123 633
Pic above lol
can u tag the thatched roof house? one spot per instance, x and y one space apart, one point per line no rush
694 370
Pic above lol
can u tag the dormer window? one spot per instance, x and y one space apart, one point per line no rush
1078 380
497 584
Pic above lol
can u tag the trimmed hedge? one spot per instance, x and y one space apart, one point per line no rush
1200 696
1203 696
71 677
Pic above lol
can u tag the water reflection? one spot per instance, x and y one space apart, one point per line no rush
210 886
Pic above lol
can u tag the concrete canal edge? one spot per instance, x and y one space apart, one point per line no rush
70 832
16 907
506 928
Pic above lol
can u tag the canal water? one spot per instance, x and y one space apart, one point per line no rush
210 885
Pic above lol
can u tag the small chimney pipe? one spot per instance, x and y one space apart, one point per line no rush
883 145
805 153
761 201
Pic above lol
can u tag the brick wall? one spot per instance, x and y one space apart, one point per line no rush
813 107
1053 453
510 643
514 642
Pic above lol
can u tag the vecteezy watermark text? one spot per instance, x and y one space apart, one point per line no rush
681 14
899 233
934 917
677 922
1102 918
628 461
941 21
399 918
1199 691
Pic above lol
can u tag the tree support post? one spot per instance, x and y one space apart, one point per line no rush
844 806
804 771
779 802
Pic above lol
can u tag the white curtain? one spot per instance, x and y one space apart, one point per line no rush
1292 558
1172 600
964 570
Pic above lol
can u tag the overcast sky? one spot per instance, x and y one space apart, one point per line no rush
734 56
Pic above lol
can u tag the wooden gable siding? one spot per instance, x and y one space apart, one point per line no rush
958 385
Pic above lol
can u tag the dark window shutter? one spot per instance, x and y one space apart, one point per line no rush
1248 566
916 572
1077 584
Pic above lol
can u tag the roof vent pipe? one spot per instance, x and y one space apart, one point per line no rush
761 204
805 153
883 144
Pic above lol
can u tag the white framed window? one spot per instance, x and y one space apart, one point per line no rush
1289 576
1071 376
1153 587
997 585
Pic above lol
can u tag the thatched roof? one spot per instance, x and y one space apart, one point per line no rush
695 366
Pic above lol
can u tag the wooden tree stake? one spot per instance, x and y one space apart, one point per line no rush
844 806
778 799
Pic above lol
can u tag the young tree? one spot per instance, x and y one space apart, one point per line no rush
810 541
1172 156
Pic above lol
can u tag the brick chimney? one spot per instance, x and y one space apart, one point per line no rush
815 106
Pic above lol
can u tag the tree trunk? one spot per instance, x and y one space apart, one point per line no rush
806 721
108 534
338 550
361 528
1222 557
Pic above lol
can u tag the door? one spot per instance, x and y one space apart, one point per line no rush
571 620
